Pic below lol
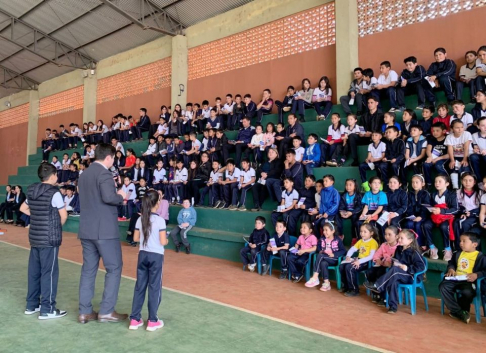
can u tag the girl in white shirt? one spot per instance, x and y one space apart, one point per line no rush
256 145
175 187
125 211
321 98
159 176
334 139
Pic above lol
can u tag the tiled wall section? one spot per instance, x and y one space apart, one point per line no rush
143 79
304 31
376 16
14 116
62 102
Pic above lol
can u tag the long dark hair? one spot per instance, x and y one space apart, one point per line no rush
149 201
475 188
328 85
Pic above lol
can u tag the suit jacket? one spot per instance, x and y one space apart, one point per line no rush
99 201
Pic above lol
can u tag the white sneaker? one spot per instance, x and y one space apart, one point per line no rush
251 268
447 255
30 312
392 110
434 254
54 315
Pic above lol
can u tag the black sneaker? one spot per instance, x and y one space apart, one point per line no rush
255 209
298 279
355 163
371 287
381 302
218 203
265 269
283 275
54 315
392 311
351 293
188 249
465 317
222 205
178 248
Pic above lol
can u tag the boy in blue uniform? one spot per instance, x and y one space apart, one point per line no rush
258 238
279 244
329 205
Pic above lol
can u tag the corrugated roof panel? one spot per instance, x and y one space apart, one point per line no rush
18 8
23 61
43 18
163 3
7 48
47 72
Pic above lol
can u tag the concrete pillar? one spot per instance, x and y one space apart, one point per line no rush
33 124
346 43
90 87
179 71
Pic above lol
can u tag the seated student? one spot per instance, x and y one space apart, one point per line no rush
437 153
328 208
443 211
279 244
265 106
280 136
187 148
186 219
390 119
221 141
307 202
201 177
229 185
141 191
258 238
173 124
159 176
15 206
143 123
376 153
141 172
9 199
71 201
468 198
386 85
413 81
150 154
242 140
175 187
256 145
409 262
312 154
426 123
481 69
373 202
162 128
195 146
179 147
351 266
370 121
197 118
213 186
382 261
468 75
302 100
73 136
118 162
350 207
352 128
250 106
227 112
205 113
293 169
321 98
305 246
329 147
211 146
72 175
355 94
443 116
289 197
459 147
238 112
125 211
458 107
415 152
397 202
247 180
286 104
416 213
270 180
186 118
63 137
269 137
479 149
442 73
299 150
467 262
329 249
394 155
409 119
204 144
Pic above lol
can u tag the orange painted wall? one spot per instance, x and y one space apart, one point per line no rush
152 100
53 122
276 75
457 33
13 147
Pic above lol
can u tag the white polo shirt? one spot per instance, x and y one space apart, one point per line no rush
392 76
290 197
478 140
247 175
181 175
236 174
377 151
214 176
159 175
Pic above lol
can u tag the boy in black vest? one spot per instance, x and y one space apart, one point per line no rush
45 207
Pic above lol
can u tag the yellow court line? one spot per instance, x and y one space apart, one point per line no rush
288 323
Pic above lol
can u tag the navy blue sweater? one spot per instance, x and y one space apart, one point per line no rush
415 202
412 259
259 237
397 201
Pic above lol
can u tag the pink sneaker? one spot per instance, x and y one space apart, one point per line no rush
120 219
134 324
153 326
312 283
325 287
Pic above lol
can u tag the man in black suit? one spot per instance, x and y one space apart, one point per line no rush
144 121
99 235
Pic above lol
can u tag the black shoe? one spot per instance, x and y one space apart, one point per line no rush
381 302
54 315
392 311
355 163
351 293
283 275
255 209
177 248
371 287
298 279
188 249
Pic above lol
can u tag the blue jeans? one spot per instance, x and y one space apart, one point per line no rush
300 105
274 189
309 169
439 166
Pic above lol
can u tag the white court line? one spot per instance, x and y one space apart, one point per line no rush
288 323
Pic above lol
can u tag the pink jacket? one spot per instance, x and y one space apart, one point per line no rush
385 252
163 210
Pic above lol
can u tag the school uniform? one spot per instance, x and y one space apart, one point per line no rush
394 150
468 73
159 178
324 107
227 119
445 72
323 260
280 241
307 197
467 203
175 189
246 175
373 201
244 135
349 275
464 263
258 237
384 253
312 153
376 151
9 199
296 262
127 209
286 143
477 160
256 140
214 189
426 127
415 208
349 203
262 111
328 152
285 103
355 87
288 197
416 84
330 205
250 109
458 148
439 149
230 191
297 173
370 122
272 183
388 283
304 102
389 93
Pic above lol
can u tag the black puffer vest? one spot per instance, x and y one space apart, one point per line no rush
45 222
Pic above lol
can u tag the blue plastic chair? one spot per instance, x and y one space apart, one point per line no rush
333 268
477 301
410 291
259 258
293 240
